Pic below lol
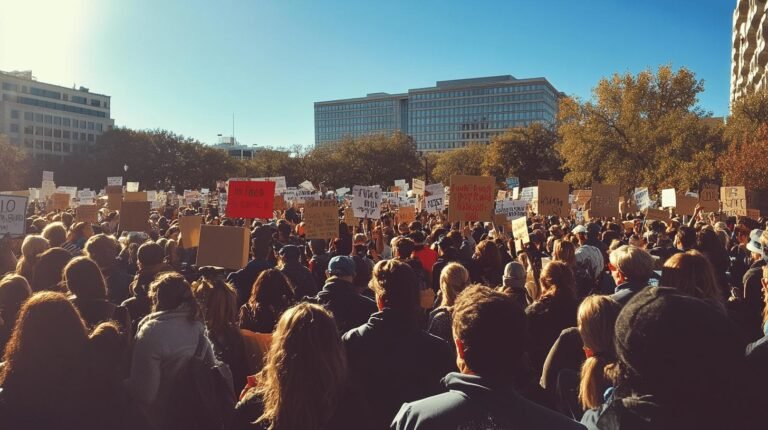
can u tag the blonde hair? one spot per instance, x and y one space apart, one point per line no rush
596 319
304 372
453 279
635 263
564 251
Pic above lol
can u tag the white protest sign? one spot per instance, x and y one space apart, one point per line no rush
402 184
34 193
307 185
366 201
529 194
668 198
516 193
280 184
47 175
341 191
642 198
418 187
434 197
512 209
132 187
72 191
115 181
47 189
13 214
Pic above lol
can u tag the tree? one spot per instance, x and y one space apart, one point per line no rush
15 166
748 114
526 152
743 163
274 162
463 161
643 130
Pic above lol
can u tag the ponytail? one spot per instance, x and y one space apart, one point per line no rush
594 382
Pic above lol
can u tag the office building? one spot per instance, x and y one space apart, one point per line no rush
749 53
450 115
236 150
51 121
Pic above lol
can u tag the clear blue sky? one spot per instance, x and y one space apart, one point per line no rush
187 65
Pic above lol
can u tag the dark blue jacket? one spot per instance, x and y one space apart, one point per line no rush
349 308
473 403
244 278
626 291
392 361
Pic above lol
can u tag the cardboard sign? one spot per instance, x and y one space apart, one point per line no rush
529 194
658 214
709 198
520 230
511 209
418 187
406 214
604 201
47 188
115 181
114 189
434 198
642 199
513 182
734 200
139 196
280 204
134 216
754 214
307 185
366 201
553 198
280 184
321 219
114 201
190 230
685 205
349 216
59 201
132 187
222 246
472 197
47 175
13 216
668 198
250 199
87 213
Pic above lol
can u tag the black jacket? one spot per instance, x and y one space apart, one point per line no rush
472 402
392 361
349 308
244 278
546 318
301 278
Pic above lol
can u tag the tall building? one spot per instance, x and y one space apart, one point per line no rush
236 149
450 115
51 121
749 54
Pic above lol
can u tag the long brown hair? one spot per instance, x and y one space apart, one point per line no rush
596 319
564 251
691 272
305 370
272 290
83 279
170 291
557 280
218 300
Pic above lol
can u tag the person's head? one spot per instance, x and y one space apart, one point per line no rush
487 255
103 249
564 251
580 232
290 254
55 233
34 245
305 370
685 238
557 280
755 246
150 254
218 301
681 350
402 247
272 290
342 267
630 264
83 279
453 279
171 292
317 246
396 286
595 320
593 231
490 333
80 230
693 274
49 270
14 291
284 230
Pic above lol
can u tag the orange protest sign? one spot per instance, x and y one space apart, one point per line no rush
406 214
472 198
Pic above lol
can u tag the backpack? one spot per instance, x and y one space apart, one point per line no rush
203 397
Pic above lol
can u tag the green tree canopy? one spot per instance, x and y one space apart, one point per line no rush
462 161
526 152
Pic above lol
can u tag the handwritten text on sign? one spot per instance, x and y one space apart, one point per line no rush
472 198
13 211
366 201
321 219
250 199
734 200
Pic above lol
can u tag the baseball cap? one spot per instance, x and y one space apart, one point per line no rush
754 244
341 265
514 275
579 229
290 252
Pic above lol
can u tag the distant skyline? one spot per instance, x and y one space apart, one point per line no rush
187 66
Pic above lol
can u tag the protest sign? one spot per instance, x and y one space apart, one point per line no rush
115 181
418 187
47 189
307 185
472 198
349 216
520 230
709 197
642 198
668 198
366 201
132 187
87 213
250 199
657 214
134 216
734 200
47 175
114 201
13 216
406 214
513 182
402 184
685 205
341 191
138 196
604 201
114 189
321 219
190 230
222 246
279 204
516 193
280 184
528 194
553 198
434 198
512 209
59 201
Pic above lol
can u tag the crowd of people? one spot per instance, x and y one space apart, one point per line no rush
617 324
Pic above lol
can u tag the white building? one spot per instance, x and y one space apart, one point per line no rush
749 54
51 121
235 149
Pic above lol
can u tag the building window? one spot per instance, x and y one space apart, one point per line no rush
48 132
95 102
49 119
47 146
38 131
66 147
57 120
38 144
56 132
78 99
90 125
14 114
28 143
99 126
14 128
66 122
10 87
75 123
57 146
28 129
29 116
38 117
66 134
90 137
83 124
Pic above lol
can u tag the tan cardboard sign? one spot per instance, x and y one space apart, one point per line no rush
222 246
87 213
605 201
190 230
321 219
734 200
472 198
134 216
553 198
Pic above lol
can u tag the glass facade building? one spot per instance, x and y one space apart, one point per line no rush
450 115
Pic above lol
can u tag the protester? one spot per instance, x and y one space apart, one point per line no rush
596 320
453 279
692 273
391 360
83 279
76 237
301 278
631 268
490 341
487 268
261 248
150 266
304 384
271 295
31 248
48 270
103 249
318 264
56 234
14 291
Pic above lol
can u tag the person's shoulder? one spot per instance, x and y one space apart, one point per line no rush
543 418
435 412
355 335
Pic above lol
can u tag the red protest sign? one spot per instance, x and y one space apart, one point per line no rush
250 199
